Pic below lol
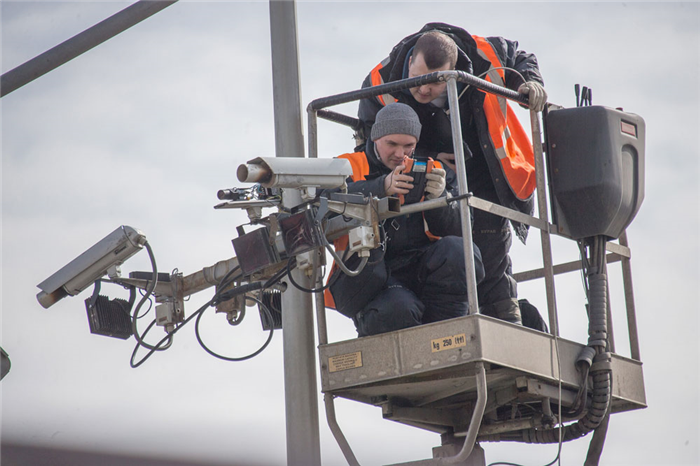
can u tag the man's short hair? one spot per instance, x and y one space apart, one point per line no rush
437 49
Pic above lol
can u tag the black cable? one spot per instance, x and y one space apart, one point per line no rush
241 289
151 351
275 278
243 358
333 278
168 336
505 463
149 291
150 304
558 457
579 404
330 283
595 448
585 265
225 281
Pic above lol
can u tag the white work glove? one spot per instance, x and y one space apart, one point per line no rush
536 94
435 184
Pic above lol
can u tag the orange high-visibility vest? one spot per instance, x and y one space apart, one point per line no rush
359 164
507 136
509 139
377 79
360 169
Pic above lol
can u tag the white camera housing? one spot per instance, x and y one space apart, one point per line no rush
294 172
91 265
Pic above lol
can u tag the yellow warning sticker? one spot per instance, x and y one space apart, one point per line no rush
343 362
442 344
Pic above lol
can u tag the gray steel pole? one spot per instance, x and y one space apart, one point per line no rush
629 301
463 189
301 399
548 263
79 44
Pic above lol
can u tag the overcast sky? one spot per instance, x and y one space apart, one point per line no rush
144 129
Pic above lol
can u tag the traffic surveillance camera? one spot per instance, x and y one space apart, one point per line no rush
292 172
91 265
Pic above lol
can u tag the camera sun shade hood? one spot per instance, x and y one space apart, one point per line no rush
292 172
91 265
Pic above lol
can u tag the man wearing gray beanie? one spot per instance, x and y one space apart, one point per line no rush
419 275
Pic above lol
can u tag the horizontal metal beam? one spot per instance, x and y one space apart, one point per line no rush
346 120
619 249
510 214
559 269
395 86
79 44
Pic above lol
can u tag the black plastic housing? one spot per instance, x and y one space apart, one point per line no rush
273 300
596 169
109 317
255 251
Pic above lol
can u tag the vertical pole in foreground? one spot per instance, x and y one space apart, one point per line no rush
463 189
301 402
548 264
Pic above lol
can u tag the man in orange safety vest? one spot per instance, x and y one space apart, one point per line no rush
415 277
498 152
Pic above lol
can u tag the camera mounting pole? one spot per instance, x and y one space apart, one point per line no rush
301 399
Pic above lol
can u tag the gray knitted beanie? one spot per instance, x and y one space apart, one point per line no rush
396 118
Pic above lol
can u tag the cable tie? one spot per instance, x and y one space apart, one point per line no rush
602 362
460 197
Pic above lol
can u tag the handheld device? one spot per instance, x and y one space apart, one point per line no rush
417 167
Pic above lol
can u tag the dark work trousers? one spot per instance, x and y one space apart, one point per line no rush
430 287
492 235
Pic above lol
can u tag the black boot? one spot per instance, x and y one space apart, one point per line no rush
507 309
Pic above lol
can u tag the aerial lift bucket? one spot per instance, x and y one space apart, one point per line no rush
476 378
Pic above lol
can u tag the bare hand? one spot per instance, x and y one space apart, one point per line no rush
396 183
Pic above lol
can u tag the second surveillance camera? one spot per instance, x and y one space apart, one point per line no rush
91 265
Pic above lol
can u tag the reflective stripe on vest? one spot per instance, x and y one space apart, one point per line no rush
509 139
377 79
